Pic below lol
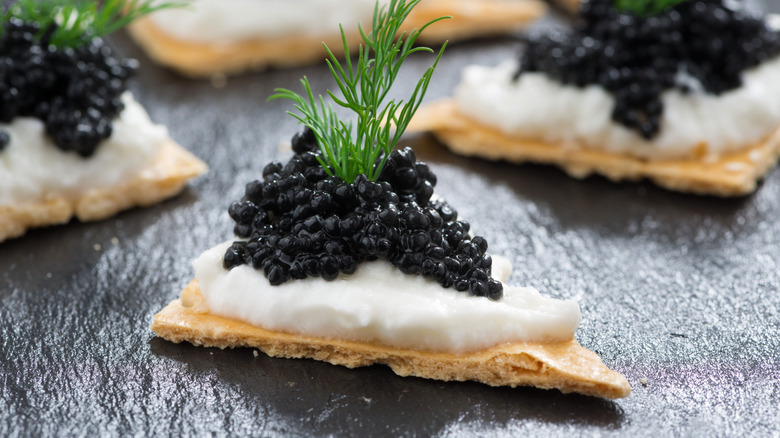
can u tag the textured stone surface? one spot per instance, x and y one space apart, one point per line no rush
679 290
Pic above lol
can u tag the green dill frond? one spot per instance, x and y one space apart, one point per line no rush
73 23
646 7
350 149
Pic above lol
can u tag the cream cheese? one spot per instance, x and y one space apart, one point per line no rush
31 167
536 107
227 21
380 304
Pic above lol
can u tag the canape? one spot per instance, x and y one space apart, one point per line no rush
685 96
345 255
73 141
212 37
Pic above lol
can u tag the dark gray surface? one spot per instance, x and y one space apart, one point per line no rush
679 290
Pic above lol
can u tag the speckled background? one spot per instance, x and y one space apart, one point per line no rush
679 290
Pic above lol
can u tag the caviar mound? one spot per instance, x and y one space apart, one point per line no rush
301 223
76 92
698 45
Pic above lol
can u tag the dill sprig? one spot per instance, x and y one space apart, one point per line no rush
646 7
350 150
73 23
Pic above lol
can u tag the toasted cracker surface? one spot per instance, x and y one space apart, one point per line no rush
563 365
733 174
163 178
196 59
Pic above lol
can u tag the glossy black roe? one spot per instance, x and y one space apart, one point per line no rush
75 92
704 44
299 222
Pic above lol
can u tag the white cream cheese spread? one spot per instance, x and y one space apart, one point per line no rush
380 304
227 21
536 107
32 167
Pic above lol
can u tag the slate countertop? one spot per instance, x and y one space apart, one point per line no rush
675 290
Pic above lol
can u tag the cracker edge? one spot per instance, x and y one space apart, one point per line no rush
489 17
165 177
733 174
564 365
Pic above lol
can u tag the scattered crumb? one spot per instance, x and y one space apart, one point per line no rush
114 241
218 80
255 353
291 384
48 275
97 247
211 353
644 381
366 399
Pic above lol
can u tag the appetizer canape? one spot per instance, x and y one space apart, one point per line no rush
345 255
686 96
212 37
73 141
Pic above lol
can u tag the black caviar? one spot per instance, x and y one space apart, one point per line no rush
636 58
75 92
301 223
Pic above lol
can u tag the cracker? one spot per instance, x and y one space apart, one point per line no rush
563 365
163 178
197 59
733 174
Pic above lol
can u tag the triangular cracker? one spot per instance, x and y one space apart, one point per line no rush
196 59
733 174
164 177
563 365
